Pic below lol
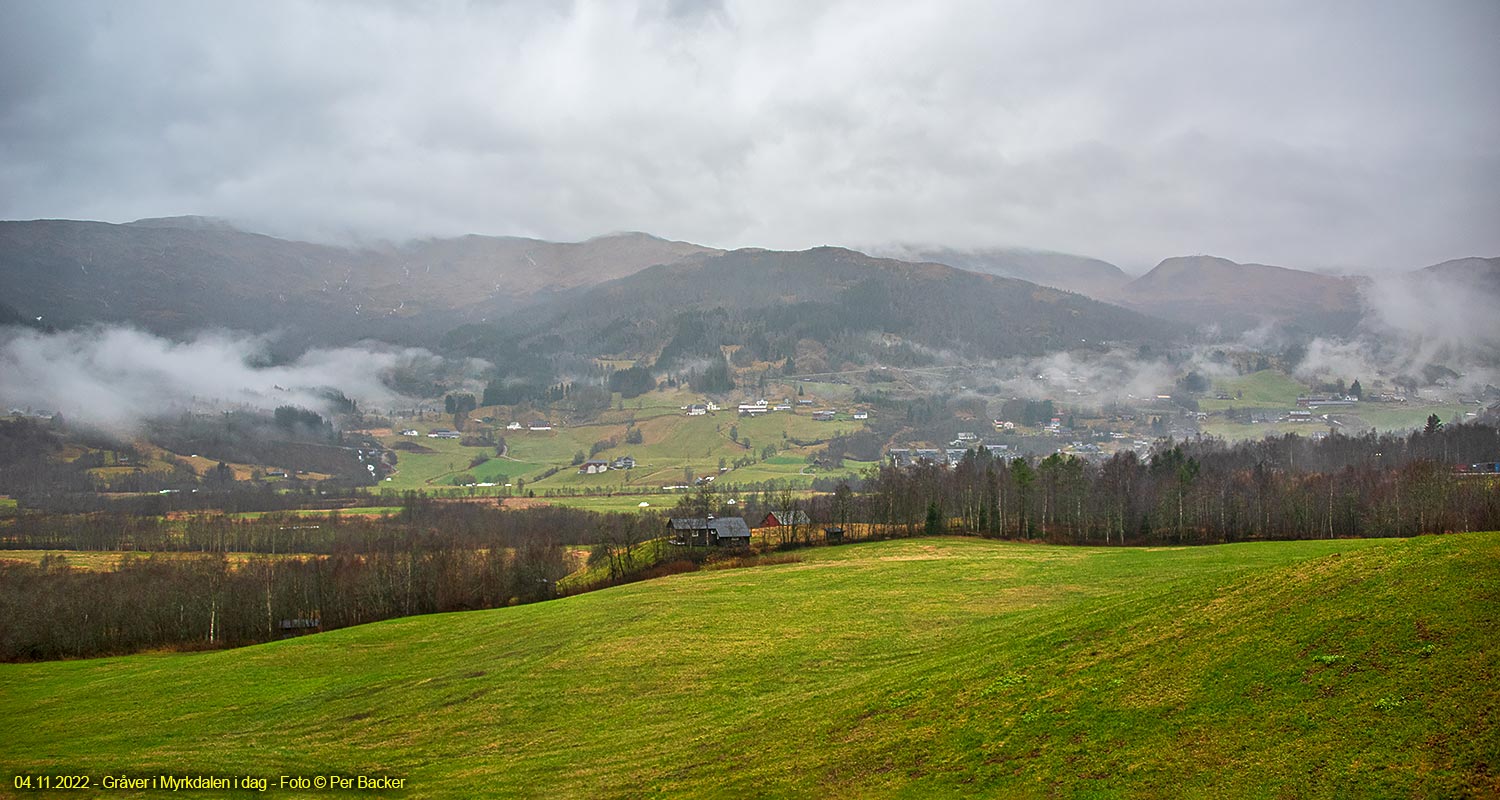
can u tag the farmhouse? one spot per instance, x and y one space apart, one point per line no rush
410 432
514 426
777 519
711 532
593 467
623 462
861 414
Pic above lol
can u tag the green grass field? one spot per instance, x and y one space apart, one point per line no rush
1382 418
671 442
919 668
1268 388
1405 417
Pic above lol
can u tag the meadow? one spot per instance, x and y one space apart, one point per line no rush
949 667
673 446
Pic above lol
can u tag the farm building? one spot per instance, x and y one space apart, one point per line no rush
593 467
541 425
776 519
711 532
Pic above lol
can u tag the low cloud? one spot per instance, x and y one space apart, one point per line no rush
1417 321
115 378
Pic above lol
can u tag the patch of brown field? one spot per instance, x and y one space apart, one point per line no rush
110 560
523 502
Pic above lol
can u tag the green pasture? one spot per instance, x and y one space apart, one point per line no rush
1405 416
1268 388
916 668
671 442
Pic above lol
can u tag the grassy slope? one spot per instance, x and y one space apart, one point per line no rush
1275 391
915 668
1268 388
671 441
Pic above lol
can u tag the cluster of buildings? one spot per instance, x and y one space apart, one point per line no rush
594 466
763 406
949 456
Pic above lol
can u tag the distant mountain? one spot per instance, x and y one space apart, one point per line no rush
186 223
1203 290
828 307
1087 276
1442 315
1482 274
180 274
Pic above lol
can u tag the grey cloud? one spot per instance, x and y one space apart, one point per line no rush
115 378
1348 135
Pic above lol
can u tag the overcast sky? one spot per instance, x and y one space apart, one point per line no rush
1328 134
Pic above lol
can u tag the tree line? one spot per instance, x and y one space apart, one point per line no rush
1205 490
49 610
421 523
198 588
